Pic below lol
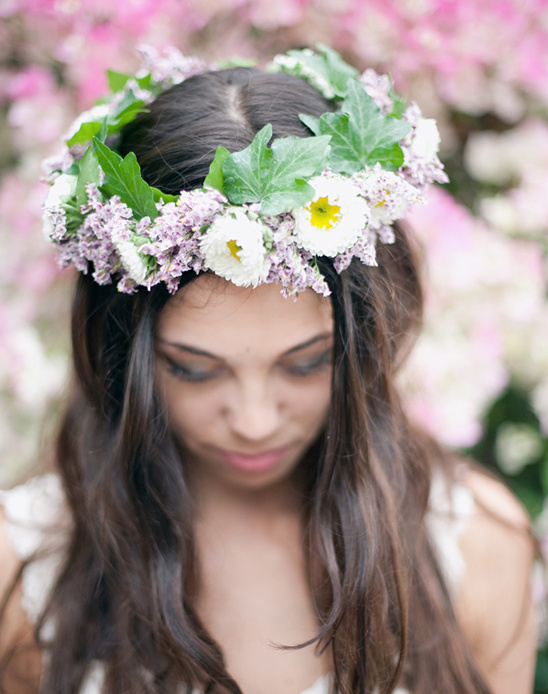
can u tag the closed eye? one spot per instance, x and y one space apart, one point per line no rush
310 366
192 374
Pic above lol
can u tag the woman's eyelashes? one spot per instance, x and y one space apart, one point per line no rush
309 366
196 373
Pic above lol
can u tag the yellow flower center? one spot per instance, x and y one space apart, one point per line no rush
322 214
234 249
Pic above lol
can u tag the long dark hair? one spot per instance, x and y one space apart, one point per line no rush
126 595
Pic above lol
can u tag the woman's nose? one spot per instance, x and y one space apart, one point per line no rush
254 413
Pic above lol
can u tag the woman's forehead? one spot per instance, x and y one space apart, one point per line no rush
214 315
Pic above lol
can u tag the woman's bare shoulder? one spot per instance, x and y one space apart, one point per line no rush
494 604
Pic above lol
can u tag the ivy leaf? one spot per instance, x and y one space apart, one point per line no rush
160 195
311 122
278 201
126 115
398 104
88 173
329 65
214 178
245 172
123 178
236 61
117 80
361 136
85 134
274 176
126 112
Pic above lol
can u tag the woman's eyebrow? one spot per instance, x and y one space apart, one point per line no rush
202 353
308 343
191 350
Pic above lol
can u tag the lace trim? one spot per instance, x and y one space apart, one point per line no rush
450 508
37 526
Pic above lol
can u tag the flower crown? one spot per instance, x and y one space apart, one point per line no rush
264 214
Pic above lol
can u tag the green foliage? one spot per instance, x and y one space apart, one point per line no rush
123 178
275 177
118 80
85 133
360 136
541 674
329 65
529 482
74 216
215 178
127 110
88 173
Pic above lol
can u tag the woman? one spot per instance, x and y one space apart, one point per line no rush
240 503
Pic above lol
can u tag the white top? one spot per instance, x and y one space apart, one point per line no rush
37 519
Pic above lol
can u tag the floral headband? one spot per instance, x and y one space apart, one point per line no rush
264 214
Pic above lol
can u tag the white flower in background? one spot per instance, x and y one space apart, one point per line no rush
233 248
426 140
334 220
389 196
131 260
516 446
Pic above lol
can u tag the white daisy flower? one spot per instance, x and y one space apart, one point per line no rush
234 249
426 140
131 260
389 195
62 190
334 220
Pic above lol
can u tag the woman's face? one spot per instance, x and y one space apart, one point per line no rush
246 377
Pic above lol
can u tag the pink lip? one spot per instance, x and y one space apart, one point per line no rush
256 462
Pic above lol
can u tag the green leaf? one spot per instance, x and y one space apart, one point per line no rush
278 201
398 105
127 110
245 172
123 178
361 136
74 216
544 473
166 197
274 177
339 72
144 82
311 122
117 80
214 178
103 132
73 169
236 61
329 66
85 134
88 173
